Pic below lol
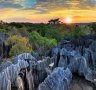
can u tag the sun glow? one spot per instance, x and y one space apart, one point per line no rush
68 20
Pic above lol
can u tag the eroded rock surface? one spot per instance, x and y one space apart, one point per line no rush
58 80
53 72
79 55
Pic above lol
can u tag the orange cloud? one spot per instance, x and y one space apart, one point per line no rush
84 11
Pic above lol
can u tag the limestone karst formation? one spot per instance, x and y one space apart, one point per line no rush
53 72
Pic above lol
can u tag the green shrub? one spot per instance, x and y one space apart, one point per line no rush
19 48
2 30
75 31
36 38
19 45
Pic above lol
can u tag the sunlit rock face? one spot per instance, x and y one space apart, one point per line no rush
5 65
75 62
59 79
25 56
8 75
9 71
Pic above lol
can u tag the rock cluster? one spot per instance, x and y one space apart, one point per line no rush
79 55
53 72
8 75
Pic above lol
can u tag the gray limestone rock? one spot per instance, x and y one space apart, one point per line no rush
59 79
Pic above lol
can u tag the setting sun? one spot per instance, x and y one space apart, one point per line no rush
68 20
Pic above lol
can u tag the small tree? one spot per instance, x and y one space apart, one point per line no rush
2 30
49 42
19 45
19 48
17 39
77 31
93 28
54 21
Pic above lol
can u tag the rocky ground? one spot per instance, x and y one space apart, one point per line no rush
79 83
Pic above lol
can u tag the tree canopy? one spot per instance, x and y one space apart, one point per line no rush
19 45
36 38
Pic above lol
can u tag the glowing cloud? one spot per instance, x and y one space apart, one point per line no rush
43 10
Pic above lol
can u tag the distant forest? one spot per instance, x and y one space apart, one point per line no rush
38 37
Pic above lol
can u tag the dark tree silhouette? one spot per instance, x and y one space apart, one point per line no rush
54 21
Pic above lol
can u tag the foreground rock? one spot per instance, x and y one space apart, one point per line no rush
27 73
58 80
8 75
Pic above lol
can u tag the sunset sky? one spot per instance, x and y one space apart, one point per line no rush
42 10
